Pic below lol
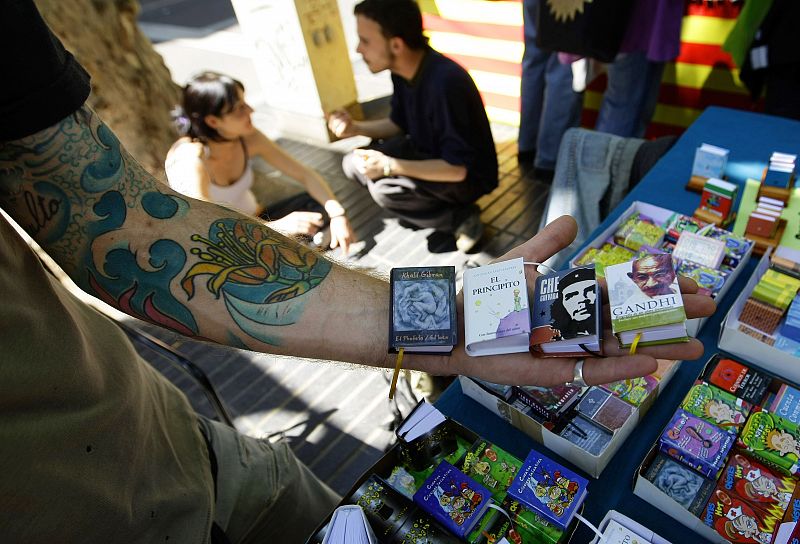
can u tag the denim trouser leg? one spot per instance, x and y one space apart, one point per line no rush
631 95
549 106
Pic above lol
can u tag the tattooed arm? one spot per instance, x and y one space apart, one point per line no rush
212 273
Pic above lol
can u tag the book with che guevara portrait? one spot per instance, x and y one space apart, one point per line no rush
645 299
422 309
566 318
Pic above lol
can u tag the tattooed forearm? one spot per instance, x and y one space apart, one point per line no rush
139 246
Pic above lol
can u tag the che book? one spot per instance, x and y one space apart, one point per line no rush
549 489
496 314
453 499
645 298
422 307
566 314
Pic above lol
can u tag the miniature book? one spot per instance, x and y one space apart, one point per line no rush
386 509
718 197
699 249
757 485
604 409
791 326
736 521
736 247
637 231
709 280
716 406
549 403
678 223
424 436
787 403
349 525
696 443
492 466
606 255
589 437
645 298
680 483
422 307
710 161
773 440
566 314
780 170
738 379
529 526
496 314
552 490
635 391
786 260
453 499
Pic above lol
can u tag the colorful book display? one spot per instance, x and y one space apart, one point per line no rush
718 198
709 280
757 485
645 299
606 255
637 231
567 316
780 171
716 406
551 490
423 309
737 379
679 223
773 440
453 499
699 249
710 161
491 466
496 313
548 404
786 403
737 521
696 443
682 484
764 220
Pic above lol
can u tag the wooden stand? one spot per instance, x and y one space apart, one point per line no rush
696 184
762 243
704 215
778 193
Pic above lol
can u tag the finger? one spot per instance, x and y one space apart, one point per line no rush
693 349
687 285
550 240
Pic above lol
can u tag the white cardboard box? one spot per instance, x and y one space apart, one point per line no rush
760 354
591 464
661 215
625 521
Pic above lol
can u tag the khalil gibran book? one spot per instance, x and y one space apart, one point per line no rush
645 298
422 307
566 315
349 525
496 314
453 499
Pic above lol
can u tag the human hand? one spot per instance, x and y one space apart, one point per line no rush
341 124
524 369
371 163
304 223
341 233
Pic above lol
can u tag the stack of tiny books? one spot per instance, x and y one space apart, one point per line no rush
780 172
730 454
769 301
709 162
765 220
464 488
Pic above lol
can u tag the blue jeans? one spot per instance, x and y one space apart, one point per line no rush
591 178
549 106
631 96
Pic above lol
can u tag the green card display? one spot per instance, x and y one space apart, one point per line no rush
791 213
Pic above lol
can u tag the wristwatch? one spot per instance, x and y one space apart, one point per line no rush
577 375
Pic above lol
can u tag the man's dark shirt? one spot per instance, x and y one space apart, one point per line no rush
443 114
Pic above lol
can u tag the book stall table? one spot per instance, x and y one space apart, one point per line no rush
751 139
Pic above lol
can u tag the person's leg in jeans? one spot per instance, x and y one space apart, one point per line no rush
548 105
631 95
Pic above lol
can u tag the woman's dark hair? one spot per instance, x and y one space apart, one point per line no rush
397 19
208 93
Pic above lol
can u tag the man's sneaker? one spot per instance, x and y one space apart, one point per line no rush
469 232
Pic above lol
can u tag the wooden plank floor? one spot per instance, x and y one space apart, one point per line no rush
337 417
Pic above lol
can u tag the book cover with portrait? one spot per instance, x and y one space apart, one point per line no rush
645 298
422 306
773 440
566 316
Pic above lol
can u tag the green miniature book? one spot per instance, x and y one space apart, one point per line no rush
529 526
492 466
773 440
645 300
637 231
716 406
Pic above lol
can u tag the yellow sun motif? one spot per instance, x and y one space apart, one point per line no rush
566 10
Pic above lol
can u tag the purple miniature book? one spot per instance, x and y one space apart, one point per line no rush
549 489
697 443
453 499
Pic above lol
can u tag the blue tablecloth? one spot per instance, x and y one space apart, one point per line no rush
751 139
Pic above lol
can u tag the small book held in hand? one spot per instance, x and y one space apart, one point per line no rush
453 499
549 489
422 309
496 314
566 315
645 298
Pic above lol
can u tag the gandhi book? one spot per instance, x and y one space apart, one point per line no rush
496 314
645 299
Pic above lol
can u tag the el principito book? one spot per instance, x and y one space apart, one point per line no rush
422 309
645 298
496 314
566 316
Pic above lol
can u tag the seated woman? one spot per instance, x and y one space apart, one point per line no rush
213 162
